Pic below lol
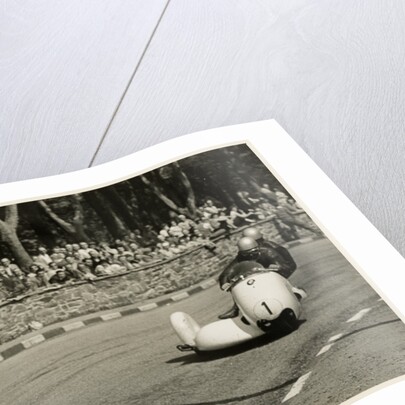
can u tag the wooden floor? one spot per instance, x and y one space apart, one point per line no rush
85 82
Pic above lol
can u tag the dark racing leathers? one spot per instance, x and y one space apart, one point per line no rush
280 256
263 257
236 268
270 253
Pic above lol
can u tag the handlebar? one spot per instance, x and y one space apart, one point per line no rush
240 277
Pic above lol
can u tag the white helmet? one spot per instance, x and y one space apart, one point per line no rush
253 233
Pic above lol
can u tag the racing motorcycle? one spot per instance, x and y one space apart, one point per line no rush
266 301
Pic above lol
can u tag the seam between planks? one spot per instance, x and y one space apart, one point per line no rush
138 64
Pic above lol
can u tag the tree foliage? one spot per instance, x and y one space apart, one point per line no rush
153 199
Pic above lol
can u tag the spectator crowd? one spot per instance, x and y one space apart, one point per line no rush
86 261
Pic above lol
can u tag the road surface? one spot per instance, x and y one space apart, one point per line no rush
133 360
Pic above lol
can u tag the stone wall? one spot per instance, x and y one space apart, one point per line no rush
64 302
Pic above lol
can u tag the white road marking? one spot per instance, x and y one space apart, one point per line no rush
297 387
148 307
1 358
112 315
74 325
33 341
324 349
336 337
180 296
381 299
359 315
208 284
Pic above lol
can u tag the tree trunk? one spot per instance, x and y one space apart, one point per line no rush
164 198
245 173
75 229
168 185
228 177
8 232
151 182
223 195
148 205
80 234
121 207
78 220
190 201
126 191
107 215
32 213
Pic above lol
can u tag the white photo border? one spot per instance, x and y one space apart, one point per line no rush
357 239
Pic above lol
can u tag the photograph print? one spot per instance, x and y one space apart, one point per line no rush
200 282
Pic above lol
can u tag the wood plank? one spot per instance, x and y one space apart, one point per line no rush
63 68
330 72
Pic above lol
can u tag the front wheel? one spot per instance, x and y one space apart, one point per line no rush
287 322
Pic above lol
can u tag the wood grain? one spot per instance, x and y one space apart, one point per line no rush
330 72
63 68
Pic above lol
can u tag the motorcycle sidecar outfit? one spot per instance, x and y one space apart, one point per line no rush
213 336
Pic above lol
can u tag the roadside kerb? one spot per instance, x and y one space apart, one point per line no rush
59 330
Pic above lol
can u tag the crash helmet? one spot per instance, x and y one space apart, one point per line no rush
248 247
253 233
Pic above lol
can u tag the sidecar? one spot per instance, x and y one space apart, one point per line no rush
213 336
267 302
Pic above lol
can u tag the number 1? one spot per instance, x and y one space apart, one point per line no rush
267 307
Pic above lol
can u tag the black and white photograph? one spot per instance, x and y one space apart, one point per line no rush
202 281
202 202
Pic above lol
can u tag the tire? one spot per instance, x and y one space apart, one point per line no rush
287 322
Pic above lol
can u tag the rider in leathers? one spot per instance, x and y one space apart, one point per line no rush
279 254
248 250
252 247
